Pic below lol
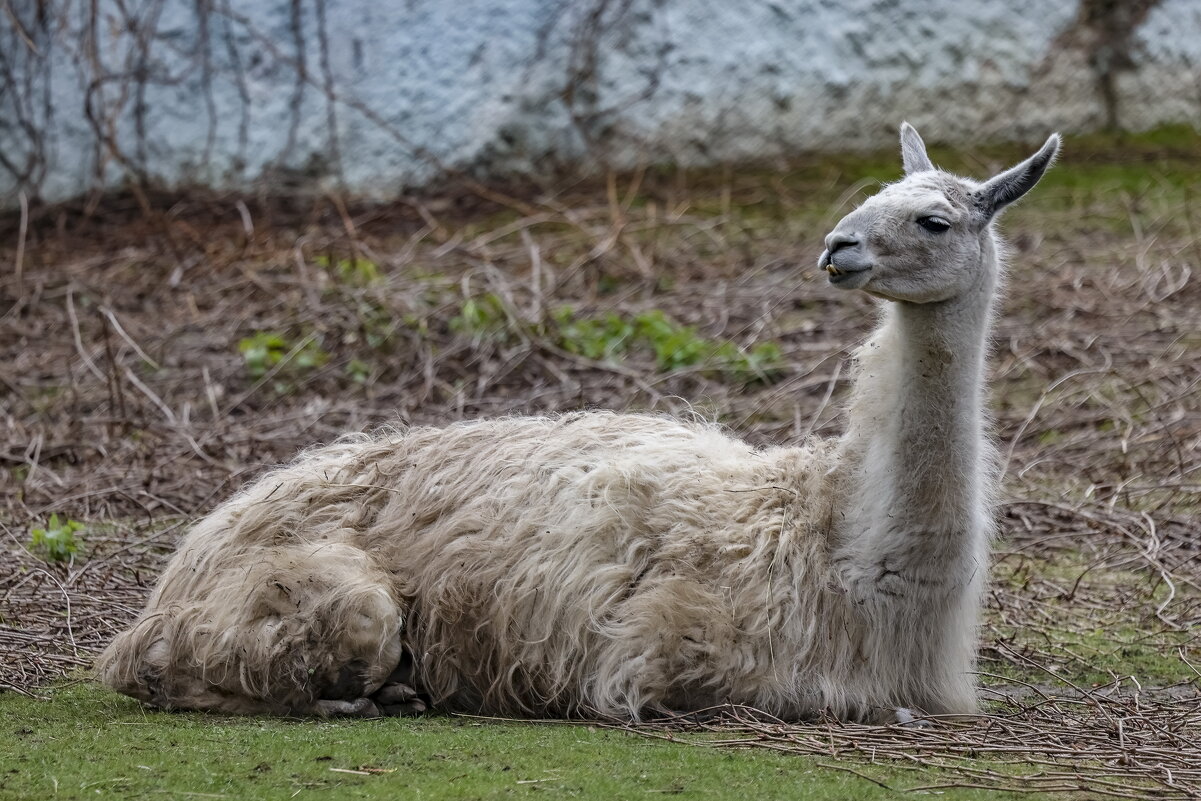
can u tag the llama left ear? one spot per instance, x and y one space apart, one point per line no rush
1010 185
913 151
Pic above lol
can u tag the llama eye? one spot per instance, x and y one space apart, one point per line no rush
935 225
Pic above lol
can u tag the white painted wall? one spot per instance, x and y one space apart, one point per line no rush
416 88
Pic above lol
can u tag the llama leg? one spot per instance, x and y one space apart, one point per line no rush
394 699
354 638
295 627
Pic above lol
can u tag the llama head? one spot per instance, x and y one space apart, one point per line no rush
927 237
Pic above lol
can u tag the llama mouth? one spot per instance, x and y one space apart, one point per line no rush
851 277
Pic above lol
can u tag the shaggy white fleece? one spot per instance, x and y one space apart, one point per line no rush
621 565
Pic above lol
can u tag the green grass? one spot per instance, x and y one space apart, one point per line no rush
88 743
1161 166
1086 624
612 336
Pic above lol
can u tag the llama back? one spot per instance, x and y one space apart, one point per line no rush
602 564
592 563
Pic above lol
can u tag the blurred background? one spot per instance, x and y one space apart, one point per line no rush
229 231
381 98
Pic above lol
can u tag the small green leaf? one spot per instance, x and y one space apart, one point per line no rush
264 350
57 540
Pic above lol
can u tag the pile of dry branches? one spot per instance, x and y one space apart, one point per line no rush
1114 742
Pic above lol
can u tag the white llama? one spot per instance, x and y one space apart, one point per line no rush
620 565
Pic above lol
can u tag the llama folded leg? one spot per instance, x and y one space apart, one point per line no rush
295 627
359 708
399 696
373 707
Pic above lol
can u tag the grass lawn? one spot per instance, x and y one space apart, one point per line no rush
89 743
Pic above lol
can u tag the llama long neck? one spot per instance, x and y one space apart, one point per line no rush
911 517
934 431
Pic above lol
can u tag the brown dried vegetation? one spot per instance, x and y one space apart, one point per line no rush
126 402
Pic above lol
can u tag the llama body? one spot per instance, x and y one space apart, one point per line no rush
619 565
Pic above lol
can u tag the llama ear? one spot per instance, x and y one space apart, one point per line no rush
1010 185
913 151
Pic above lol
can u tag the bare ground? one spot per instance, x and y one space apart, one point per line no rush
129 405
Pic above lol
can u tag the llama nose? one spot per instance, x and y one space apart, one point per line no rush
838 240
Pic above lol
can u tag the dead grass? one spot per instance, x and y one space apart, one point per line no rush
128 405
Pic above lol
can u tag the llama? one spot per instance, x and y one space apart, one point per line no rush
624 565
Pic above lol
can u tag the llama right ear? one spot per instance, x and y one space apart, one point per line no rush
913 151
1010 185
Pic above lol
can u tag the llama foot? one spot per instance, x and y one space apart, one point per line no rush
911 718
374 707
408 709
398 699
717 712
358 708
682 716
394 693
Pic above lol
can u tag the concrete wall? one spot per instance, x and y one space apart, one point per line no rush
380 96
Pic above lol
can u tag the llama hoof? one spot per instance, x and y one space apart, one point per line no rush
407 709
910 718
397 699
358 708
684 716
394 693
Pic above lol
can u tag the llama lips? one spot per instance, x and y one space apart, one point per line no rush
840 273
839 276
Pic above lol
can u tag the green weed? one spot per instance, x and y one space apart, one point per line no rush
359 371
376 327
598 338
482 317
264 351
612 337
675 346
353 272
57 540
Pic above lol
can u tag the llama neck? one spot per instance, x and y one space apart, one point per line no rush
934 430
912 504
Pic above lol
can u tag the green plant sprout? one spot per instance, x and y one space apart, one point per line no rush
264 350
675 346
57 540
353 271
